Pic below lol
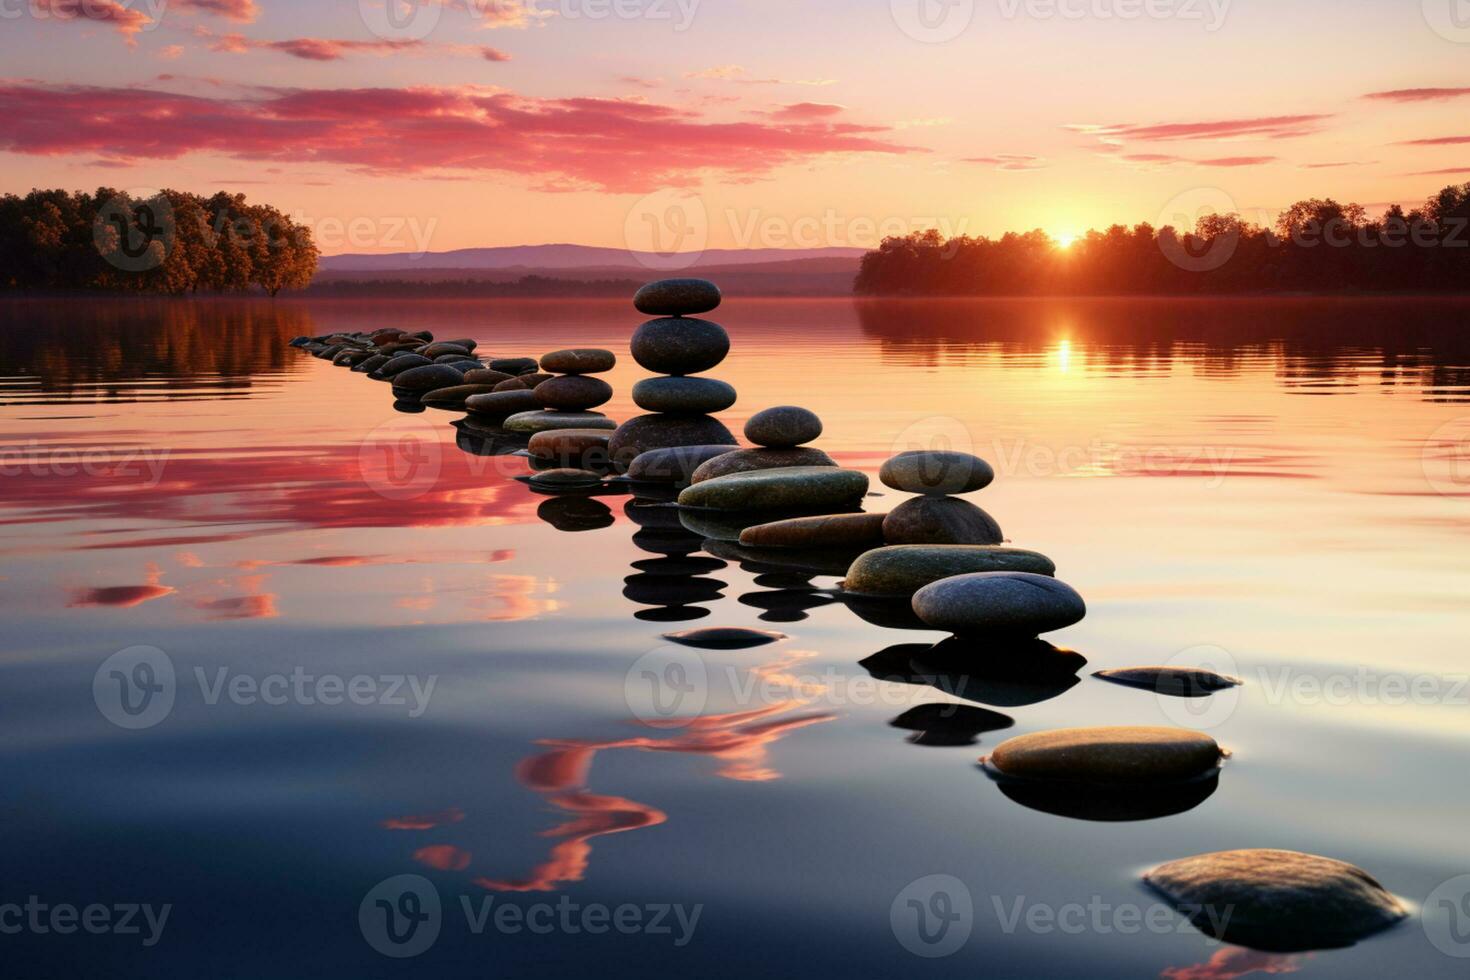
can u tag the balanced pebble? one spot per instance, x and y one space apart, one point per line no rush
827 531
679 345
1006 603
541 421
677 297
574 393
901 570
747 460
940 520
682 395
783 427
674 464
936 472
789 488
578 360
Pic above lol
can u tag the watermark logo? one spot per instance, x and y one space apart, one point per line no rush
1183 213
1450 19
135 688
1209 711
401 916
42 918
400 20
932 21
667 686
932 917
401 459
1445 458
135 231
1446 917
667 229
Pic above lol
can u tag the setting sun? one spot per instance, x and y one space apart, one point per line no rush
1065 239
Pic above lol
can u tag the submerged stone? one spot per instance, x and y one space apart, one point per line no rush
821 531
725 638
901 570
785 488
562 477
503 402
1275 900
1182 682
1013 603
455 395
427 378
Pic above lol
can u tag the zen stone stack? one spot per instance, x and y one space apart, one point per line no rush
676 344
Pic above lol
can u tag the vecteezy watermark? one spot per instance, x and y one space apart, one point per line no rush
400 20
667 686
1450 19
1097 916
40 918
403 916
135 231
137 688
667 229
932 916
938 21
143 466
135 15
1446 917
1445 458
932 21
403 233
401 459
415 20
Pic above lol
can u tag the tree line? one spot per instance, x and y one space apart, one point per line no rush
1316 245
169 243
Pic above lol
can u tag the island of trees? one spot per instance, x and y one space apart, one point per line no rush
1316 245
170 243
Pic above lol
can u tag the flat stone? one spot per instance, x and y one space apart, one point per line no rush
503 402
679 345
578 360
1008 603
1278 901
535 378
724 638
1120 754
697 396
785 488
749 460
371 364
901 570
677 297
936 472
433 351
452 358
565 477
465 342
783 427
485 376
427 378
455 395
349 358
644 432
514 365
823 531
940 520
567 444
541 421
675 464
574 393
513 384
1181 682
463 366
397 365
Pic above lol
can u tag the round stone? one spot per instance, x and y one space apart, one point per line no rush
535 378
512 384
454 396
686 395
578 360
786 488
485 376
675 464
644 432
1180 682
1278 901
724 637
574 393
940 520
902 570
541 421
452 359
399 364
1124 754
567 444
679 345
826 531
349 358
500 403
1004 603
677 297
749 460
464 342
427 378
564 477
435 351
513 365
936 472
463 367
783 427
371 364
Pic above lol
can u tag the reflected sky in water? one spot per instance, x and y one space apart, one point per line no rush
1279 483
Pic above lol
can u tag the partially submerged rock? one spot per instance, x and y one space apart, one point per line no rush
785 488
901 570
1108 755
820 531
725 637
1180 682
747 460
1275 900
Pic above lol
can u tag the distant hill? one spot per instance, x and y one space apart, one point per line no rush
538 259
821 276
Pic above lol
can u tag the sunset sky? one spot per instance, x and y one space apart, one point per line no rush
758 123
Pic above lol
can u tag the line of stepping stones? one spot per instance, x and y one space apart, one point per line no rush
936 560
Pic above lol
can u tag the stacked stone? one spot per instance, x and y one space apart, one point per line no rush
570 390
566 394
780 434
676 345
936 516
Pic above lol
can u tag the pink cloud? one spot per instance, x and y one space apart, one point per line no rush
1010 161
305 48
1261 127
169 53
493 54
125 20
1236 161
614 144
242 11
1447 172
807 110
1418 94
1438 141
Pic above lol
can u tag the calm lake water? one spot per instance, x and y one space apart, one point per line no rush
386 656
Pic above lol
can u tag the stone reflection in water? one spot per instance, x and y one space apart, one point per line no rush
673 584
1010 674
948 724
1108 803
568 512
1236 961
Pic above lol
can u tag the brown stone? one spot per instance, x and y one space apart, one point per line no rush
745 460
825 531
940 520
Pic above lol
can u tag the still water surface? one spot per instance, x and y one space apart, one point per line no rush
1280 489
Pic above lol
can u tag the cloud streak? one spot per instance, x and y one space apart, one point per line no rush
1257 127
